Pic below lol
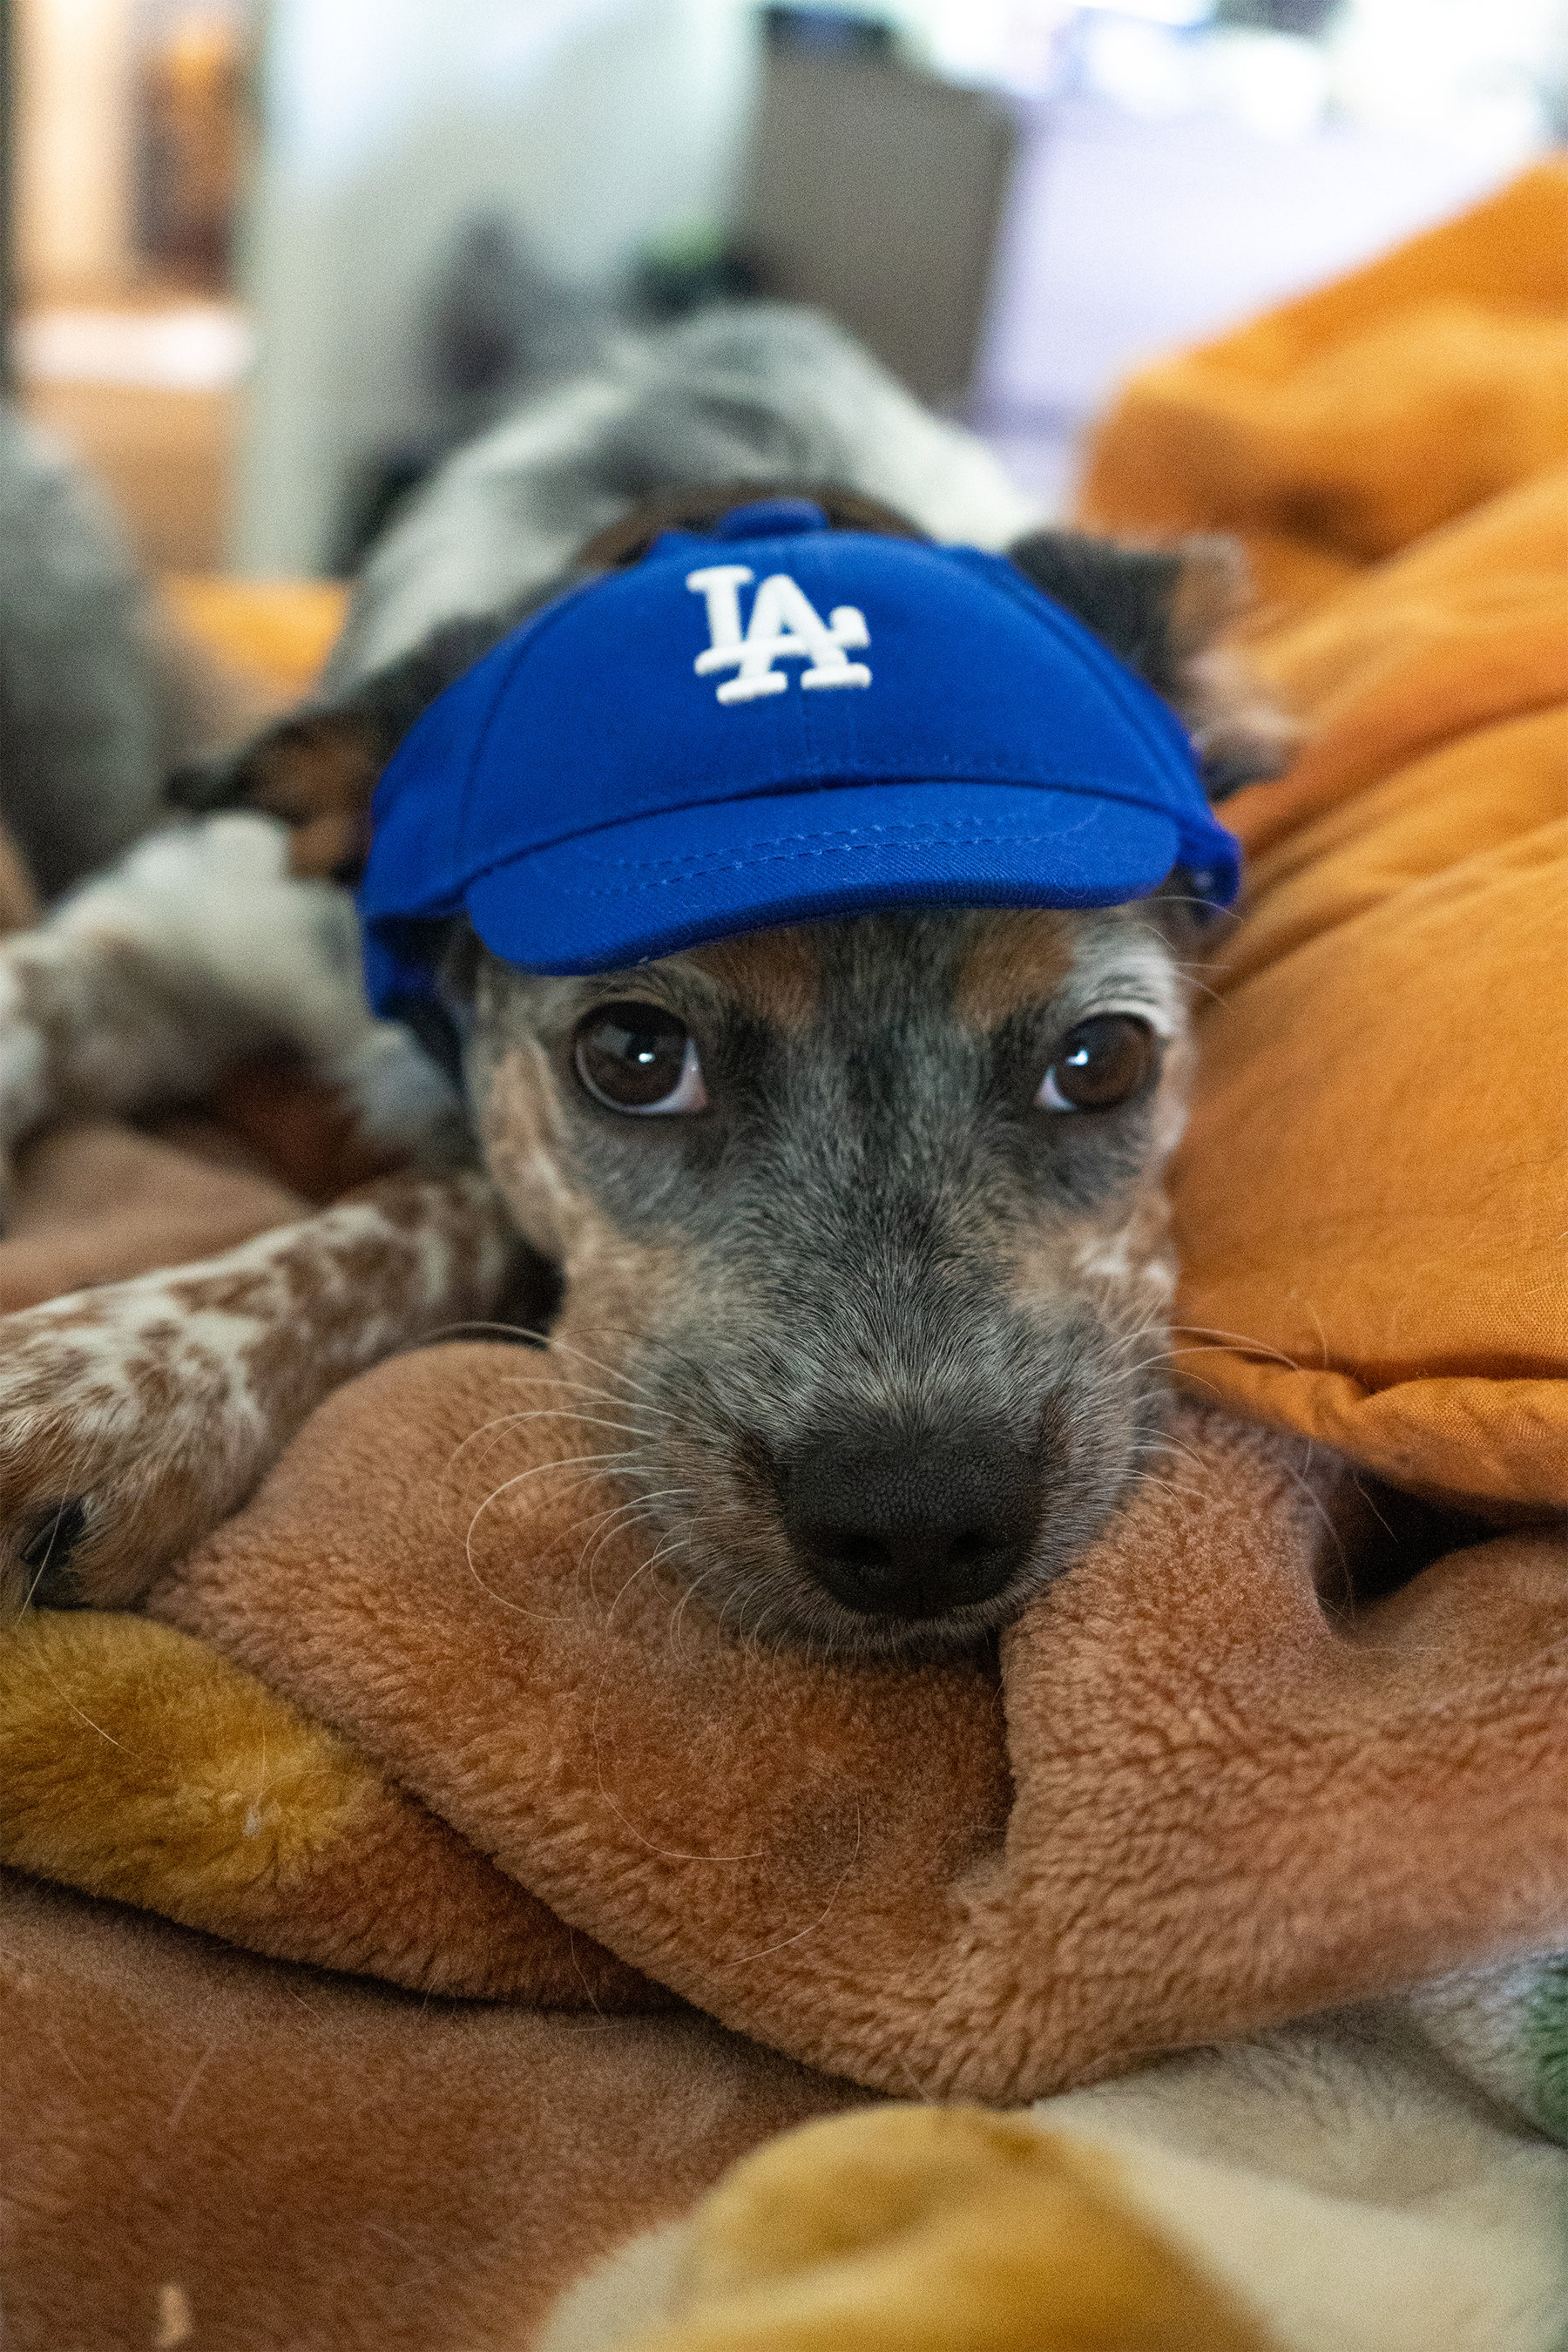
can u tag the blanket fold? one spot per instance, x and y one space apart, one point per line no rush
210 2150
1372 1189
137 1764
948 1878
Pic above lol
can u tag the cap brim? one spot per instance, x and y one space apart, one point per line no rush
652 886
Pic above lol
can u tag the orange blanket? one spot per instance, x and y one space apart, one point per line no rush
1374 1190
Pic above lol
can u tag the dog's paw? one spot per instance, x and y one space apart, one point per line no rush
124 1436
135 1417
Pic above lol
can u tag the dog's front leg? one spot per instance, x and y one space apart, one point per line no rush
135 1417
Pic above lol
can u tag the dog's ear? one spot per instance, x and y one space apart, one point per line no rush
318 768
1165 610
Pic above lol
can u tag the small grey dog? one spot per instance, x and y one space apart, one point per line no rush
876 1302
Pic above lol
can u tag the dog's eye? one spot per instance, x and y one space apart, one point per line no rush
1099 1064
639 1057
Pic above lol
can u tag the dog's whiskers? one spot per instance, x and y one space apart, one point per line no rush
1227 1341
505 1421
611 1372
596 1463
640 1507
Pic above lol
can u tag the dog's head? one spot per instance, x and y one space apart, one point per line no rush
865 1249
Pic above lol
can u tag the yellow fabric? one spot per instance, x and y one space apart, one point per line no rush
1373 1197
139 1764
280 629
937 2230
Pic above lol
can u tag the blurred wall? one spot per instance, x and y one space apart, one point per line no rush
591 124
874 192
74 61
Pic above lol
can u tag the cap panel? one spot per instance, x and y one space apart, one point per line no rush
652 888
1144 710
745 730
419 810
604 717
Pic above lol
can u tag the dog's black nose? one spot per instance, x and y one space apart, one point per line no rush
911 1531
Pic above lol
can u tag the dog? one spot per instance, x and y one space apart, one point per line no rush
850 1228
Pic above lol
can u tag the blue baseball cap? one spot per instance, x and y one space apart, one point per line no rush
773 722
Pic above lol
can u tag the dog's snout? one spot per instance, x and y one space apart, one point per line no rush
912 1530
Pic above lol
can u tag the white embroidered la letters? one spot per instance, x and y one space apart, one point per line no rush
785 626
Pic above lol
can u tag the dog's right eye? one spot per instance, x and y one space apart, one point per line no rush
640 1058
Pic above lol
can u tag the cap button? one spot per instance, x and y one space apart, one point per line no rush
770 519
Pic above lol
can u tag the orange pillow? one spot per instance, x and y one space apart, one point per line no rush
1373 1195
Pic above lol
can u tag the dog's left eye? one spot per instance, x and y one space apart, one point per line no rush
1100 1064
640 1058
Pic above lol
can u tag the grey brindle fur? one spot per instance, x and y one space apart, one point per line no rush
884 1337
872 1290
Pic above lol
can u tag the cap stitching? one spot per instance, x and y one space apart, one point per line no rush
929 827
975 772
833 846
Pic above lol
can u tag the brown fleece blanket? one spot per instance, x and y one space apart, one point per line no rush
948 1878
209 2150
414 1714
955 1878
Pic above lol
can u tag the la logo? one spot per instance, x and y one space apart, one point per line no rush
785 625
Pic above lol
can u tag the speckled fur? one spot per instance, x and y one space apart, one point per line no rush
182 1388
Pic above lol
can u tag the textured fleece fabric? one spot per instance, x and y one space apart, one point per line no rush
953 1876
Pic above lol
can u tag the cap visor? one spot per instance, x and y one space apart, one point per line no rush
649 888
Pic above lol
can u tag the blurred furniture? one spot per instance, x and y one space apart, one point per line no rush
125 128
7 186
165 458
142 386
874 193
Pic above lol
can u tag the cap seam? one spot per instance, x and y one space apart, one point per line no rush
954 828
797 857
1088 788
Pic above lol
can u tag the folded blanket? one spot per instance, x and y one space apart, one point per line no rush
957 1878
1324 2190
205 2149
1372 1190
1189 1797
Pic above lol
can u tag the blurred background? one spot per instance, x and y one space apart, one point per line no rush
265 259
